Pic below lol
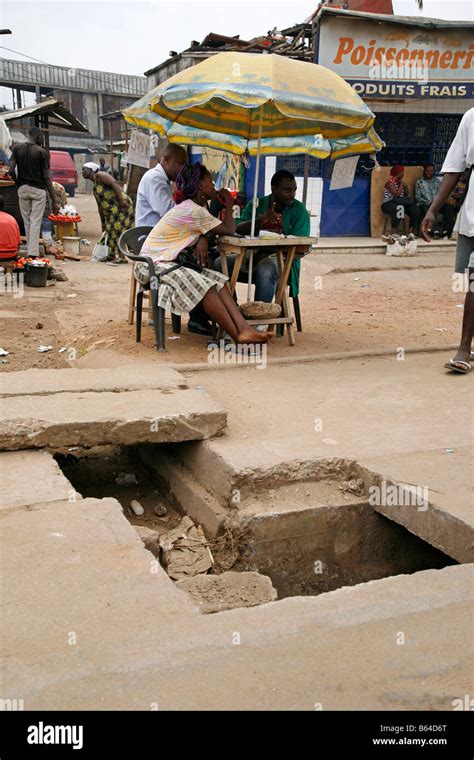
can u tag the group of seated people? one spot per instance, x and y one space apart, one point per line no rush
397 202
184 233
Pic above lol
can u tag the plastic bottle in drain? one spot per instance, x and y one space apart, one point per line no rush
136 508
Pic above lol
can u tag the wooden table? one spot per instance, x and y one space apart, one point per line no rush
286 252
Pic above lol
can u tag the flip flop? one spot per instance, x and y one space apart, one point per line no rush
458 366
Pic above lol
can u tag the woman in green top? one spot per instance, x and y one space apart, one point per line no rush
115 208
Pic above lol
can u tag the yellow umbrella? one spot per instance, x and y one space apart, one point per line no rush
263 104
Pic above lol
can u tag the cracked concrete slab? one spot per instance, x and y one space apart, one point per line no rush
88 625
32 477
126 418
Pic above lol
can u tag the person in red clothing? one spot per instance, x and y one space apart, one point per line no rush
9 234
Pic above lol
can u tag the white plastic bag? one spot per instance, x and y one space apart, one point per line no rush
101 249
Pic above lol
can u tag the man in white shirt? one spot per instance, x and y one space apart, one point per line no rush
155 199
154 195
460 157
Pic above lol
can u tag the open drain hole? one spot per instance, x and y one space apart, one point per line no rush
303 552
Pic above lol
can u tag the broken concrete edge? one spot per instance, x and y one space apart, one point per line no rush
172 428
30 477
427 521
315 358
225 492
181 488
230 487
44 382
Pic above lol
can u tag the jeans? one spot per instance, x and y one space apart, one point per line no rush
32 202
265 276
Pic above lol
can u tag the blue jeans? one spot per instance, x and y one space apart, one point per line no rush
265 276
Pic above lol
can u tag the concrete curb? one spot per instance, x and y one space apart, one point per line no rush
315 358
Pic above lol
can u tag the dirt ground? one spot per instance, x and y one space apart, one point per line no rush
348 303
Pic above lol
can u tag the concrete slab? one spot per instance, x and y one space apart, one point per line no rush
396 418
31 477
87 625
33 382
126 418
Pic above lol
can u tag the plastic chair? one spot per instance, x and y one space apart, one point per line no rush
132 240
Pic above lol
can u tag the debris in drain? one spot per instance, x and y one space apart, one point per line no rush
160 510
184 551
355 486
229 590
136 508
126 479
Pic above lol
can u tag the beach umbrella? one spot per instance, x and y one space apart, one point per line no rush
262 104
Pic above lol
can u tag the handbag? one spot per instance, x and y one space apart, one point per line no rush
101 249
187 258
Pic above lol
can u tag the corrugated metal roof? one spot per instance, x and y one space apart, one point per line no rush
426 23
66 78
58 115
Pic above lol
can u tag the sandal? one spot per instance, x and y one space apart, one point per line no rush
458 366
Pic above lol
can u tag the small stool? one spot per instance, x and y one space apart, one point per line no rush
388 223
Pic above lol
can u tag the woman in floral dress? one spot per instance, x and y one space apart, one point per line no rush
115 208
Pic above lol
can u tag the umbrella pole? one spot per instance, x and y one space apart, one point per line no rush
255 203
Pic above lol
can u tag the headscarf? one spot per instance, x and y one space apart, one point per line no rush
92 166
396 170
187 181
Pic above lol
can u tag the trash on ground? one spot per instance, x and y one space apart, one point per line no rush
71 295
160 510
174 337
137 508
126 479
330 441
85 242
449 451
44 349
3 361
3 352
441 329
62 349
39 325
185 552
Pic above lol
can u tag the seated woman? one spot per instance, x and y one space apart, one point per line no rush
174 239
395 196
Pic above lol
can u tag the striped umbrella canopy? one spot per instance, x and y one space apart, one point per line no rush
263 104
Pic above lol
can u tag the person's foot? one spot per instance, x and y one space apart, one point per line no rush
461 362
199 328
253 336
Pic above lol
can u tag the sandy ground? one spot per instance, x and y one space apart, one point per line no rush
348 303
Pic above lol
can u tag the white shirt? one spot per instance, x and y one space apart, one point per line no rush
459 157
154 197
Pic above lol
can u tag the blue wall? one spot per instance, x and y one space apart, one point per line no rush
250 178
346 212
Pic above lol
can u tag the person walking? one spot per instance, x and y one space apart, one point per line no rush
29 167
459 157
115 208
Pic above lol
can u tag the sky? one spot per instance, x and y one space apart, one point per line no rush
131 37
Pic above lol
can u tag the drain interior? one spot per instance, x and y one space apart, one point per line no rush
305 551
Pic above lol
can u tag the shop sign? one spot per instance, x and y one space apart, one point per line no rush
391 61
